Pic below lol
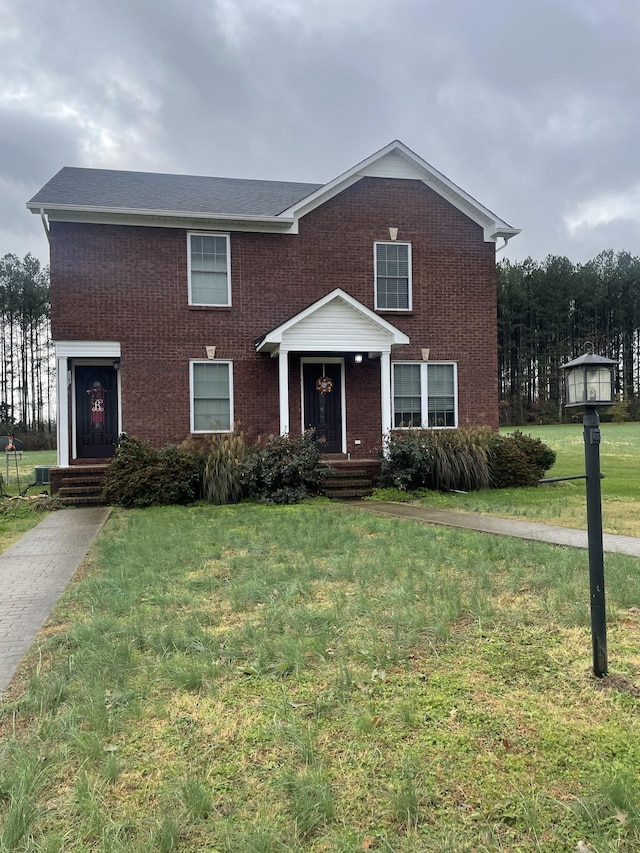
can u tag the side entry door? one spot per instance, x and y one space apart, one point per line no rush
96 411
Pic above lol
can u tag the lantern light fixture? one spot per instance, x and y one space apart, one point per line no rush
589 380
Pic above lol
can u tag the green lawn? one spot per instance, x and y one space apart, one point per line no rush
24 475
564 503
16 517
313 679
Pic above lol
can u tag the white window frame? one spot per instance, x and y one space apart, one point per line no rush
191 234
424 394
375 273
216 361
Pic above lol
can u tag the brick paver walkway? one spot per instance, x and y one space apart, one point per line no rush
34 573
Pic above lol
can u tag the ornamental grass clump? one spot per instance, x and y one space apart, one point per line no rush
460 460
437 459
222 475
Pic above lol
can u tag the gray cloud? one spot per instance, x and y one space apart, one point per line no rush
530 105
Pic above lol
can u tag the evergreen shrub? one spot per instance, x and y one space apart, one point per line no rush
139 476
285 470
518 460
408 460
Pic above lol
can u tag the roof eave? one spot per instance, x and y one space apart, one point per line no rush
504 231
56 210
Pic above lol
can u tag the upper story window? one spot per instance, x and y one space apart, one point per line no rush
425 394
209 269
211 396
393 276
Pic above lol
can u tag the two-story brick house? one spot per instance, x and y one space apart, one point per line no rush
185 304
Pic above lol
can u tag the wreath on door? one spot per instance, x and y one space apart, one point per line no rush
324 384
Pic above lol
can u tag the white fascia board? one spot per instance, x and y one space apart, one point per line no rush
491 224
161 218
274 337
87 349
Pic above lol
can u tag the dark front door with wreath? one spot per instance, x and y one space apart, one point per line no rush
322 385
96 411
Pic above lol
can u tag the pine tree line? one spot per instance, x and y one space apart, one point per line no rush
547 311
26 364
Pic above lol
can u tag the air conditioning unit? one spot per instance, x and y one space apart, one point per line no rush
41 475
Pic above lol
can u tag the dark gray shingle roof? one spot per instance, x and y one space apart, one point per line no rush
106 188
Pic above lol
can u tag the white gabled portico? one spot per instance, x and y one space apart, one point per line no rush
338 324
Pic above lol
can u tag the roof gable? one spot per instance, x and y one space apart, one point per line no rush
397 161
339 323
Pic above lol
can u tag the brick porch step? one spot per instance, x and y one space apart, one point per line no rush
349 479
79 485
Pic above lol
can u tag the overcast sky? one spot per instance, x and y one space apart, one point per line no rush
531 106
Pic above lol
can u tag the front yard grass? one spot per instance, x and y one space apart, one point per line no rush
310 678
16 515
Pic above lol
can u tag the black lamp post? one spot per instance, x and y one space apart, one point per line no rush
589 383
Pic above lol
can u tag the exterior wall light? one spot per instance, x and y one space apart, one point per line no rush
358 358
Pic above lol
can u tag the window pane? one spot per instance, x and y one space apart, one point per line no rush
407 412
392 275
209 270
407 406
406 379
441 395
209 288
211 415
211 397
441 412
440 379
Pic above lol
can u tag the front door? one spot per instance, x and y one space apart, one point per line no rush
96 411
322 401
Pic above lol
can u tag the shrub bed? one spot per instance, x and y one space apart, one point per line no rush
140 476
285 470
464 459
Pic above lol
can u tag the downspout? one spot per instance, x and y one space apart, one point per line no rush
45 224
504 245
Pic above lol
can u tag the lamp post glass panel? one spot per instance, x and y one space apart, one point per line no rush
589 383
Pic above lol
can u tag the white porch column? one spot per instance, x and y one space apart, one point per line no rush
283 390
63 412
385 391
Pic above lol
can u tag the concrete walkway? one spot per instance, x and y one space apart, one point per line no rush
33 575
612 543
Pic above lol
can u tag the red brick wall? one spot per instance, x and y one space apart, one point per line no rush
129 284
